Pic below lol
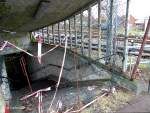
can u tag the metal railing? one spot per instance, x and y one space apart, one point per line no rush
92 32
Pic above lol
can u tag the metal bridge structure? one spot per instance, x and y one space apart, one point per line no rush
93 32
97 30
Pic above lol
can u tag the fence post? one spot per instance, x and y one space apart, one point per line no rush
70 37
82 37
99 29
75 30
125 59
59 38
53 34
89 31
109 46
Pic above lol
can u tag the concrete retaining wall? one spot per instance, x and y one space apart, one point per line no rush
19 39
51 64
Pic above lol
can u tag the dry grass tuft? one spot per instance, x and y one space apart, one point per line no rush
110 103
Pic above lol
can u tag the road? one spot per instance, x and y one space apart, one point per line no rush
140 104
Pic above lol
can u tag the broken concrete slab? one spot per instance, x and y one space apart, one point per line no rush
51 64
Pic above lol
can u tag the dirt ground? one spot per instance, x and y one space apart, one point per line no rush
139 104
111 103
121 101
69 97
125 101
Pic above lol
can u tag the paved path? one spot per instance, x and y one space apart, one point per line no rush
141 104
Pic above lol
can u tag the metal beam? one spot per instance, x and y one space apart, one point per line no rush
109 46
43 34
75 31
89 31
82 36
99 29
125 59
59 38
70 33
65 28
50 34
111 30
53 34
65 31
141 50
115 33
47 31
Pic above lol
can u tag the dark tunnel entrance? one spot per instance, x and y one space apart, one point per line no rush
16 76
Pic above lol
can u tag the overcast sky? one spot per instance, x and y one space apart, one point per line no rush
140 8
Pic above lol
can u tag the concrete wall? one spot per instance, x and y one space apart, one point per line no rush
28 15
4 86
19 39
51 64
1 102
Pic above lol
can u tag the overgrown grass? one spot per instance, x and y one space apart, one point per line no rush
110 103
133 32
144 66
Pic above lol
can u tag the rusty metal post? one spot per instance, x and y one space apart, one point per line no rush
23 66
141 50
89 32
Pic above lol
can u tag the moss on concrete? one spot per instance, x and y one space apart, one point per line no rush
19 39
118 77
4 9
19 15
18 19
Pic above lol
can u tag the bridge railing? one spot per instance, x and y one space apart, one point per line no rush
93 31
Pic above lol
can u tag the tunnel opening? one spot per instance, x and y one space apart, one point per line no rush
16 76
46 75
